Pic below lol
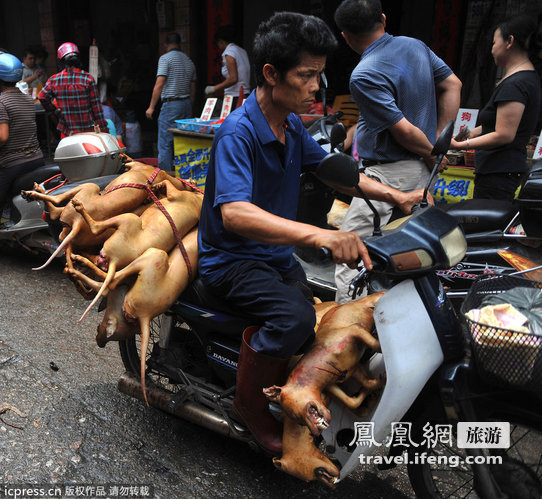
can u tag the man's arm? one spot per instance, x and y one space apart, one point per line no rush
232 78
448 101
506 126
379 192
33 77
250 221
4 133
413 139
156 91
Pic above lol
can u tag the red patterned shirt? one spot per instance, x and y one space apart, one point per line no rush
76 95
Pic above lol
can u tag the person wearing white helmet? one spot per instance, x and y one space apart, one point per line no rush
19 148
77 104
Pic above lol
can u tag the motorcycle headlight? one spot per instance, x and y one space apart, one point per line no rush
412 260
455 246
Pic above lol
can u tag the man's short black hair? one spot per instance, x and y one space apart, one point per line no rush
358 16
173 38
285 37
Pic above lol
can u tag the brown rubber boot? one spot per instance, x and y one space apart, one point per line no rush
255 372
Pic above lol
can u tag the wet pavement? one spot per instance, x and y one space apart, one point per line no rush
77 429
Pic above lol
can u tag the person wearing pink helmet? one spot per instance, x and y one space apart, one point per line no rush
72 95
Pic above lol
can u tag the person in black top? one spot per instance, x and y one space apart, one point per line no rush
509 118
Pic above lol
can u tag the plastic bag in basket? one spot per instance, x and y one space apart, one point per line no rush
509 351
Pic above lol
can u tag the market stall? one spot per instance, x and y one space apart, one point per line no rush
191 153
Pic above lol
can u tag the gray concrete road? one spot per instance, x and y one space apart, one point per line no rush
78 429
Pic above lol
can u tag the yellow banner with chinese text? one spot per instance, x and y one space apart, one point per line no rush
191 158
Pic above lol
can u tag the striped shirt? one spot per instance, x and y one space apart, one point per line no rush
77 98
17 110
179 71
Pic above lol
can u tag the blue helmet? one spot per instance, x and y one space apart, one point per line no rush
11 69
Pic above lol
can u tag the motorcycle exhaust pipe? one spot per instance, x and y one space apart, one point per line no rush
130 384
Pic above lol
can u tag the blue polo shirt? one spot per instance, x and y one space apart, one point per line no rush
248 163
395 79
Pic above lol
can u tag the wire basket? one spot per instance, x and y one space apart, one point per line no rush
503 357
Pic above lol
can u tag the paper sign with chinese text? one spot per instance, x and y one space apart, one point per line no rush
538 149
465 118
226 106
208 109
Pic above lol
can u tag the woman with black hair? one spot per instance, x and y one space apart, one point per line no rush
509 118
235 65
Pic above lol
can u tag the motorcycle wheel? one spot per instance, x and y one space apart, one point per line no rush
519 476
187 354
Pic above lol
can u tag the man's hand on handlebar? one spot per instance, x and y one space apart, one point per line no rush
406 200
430 163
345 247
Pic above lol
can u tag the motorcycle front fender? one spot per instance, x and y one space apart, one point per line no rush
411 353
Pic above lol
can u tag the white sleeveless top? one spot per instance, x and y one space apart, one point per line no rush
243 69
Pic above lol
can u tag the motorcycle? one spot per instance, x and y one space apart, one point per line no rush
492 228
85 157
430 377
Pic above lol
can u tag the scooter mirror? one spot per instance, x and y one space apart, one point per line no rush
443 141
439 150
338 135
339 168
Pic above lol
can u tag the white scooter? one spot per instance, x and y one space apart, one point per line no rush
84 157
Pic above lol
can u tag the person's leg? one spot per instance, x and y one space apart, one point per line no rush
285 323
171 111
6 178
496 186
164 155
402 175
8 175
276 302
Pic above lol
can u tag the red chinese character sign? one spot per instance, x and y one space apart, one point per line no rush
218 14
538 149
465 118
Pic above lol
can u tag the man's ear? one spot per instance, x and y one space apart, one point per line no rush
270 74
346 37
384 20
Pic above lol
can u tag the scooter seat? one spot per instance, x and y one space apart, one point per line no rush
232 321
26 182
482 215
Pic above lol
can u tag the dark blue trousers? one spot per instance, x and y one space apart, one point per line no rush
279 304
8 176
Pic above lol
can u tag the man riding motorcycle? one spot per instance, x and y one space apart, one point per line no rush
247 229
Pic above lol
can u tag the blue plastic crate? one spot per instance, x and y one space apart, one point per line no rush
197 125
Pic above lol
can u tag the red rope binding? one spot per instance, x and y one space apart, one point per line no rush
174 228
156 201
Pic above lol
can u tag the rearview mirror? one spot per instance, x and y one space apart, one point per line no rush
338 135
340 169
443 141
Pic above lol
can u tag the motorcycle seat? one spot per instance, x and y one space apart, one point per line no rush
482 215
232 321
26 182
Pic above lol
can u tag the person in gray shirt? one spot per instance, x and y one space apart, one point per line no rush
176 87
